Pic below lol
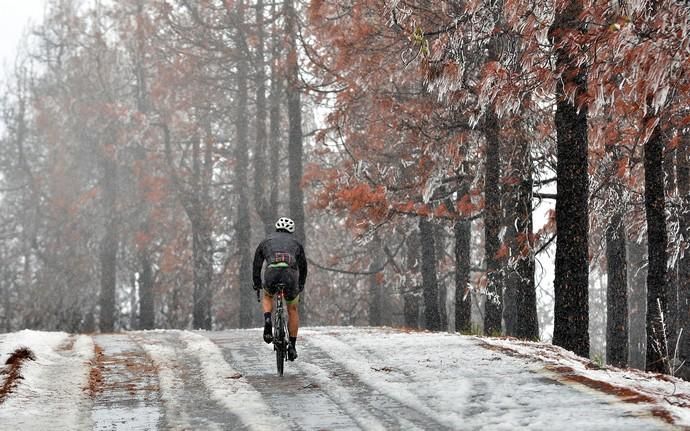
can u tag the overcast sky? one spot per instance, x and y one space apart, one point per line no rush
15 15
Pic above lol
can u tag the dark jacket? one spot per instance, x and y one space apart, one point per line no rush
279 247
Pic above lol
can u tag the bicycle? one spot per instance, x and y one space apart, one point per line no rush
280 332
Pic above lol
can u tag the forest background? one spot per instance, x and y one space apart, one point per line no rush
427 151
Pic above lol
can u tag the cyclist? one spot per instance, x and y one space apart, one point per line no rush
286 264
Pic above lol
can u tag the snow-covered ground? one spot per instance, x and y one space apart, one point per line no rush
51 394
344 378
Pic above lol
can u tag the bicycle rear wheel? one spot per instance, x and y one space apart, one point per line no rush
279 343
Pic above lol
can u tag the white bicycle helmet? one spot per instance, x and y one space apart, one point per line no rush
286 223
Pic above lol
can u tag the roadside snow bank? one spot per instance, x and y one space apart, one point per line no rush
51 394
663 396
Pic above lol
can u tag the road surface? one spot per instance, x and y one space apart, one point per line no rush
344 379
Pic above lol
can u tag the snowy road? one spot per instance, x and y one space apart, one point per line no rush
345 378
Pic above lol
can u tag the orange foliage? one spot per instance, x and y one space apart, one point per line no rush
441 211
622 167
502 251
362 196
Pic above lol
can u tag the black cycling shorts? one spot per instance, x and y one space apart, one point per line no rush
287 276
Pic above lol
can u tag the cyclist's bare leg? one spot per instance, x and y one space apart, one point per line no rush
267 303
293 319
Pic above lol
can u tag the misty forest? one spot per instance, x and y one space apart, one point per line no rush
513 168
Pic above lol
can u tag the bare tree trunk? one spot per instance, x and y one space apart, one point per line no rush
145 282
146 308
375 292
203 271
109 245
440 247
492 225
295 151
248 307
261 175
275 139
133 318
429 279
683 177
655 206
616 294
463 299
637 303
411 296
670 190
527 320
571 282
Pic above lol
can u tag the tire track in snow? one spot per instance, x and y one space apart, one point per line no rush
391 391
227 386
127 395
295 397
171 382
347 388
365 406
343 397
189 403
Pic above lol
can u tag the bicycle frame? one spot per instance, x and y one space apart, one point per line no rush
280 331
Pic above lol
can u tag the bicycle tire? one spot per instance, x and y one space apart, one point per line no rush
279 342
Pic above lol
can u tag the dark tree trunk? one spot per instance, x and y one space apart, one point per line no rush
374 301
375 294
201 254
683 178
528 322
411 295
295 151
133 300
669 163
145 282
275 137
429 279
655 206
411 311
109 245
442 311
146 310
463 300
571 284
492 226
89 325
520 303
261 174
248 307
637 303
440 247
616 294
